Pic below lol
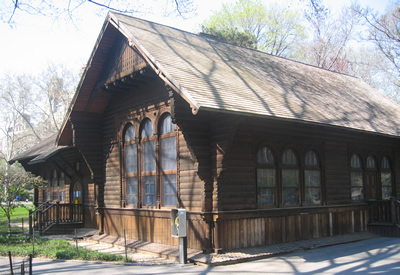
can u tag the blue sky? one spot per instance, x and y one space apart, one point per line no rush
37 41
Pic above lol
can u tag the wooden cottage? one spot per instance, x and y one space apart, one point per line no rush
258 149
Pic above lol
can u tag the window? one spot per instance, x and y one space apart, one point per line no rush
131 166
266 177
370 178
62 186
386 179
168 162
290 178
356 179
312 179
54 185
148 176
46 189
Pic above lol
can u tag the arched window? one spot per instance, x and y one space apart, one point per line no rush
371 162
148 175
54 185
62 186
371 177
290 178
386 179
168 162
356 179
312 179
131 166
266 177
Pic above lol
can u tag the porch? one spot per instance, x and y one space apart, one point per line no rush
384 217
56 218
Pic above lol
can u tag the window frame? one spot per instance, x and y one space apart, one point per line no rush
312 167
145 175
170 135
268 166
132 141
54 185
290 167
386 167
356 168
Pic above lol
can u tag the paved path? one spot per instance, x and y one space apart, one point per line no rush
372 256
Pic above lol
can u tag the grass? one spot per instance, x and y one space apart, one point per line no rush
22 245
16 218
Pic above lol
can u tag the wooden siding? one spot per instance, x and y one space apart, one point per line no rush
266 227
153 226
237 186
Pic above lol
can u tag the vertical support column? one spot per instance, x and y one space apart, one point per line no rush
30 223
352 222
182 250
57 212
330 224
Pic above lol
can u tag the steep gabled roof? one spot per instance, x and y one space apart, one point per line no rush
40 152
212 75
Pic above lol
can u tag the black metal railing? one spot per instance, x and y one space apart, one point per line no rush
48 214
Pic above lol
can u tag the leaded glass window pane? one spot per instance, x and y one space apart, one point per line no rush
264 156
149 156
54 184
147 130
290 186
166 126
131 158
149 190
371 163
289 157
266 181
355 162
311 159
386 181
131 190
62 186
130 133
169 190
168 153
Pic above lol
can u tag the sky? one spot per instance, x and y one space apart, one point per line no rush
36 41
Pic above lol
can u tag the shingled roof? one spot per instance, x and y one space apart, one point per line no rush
216 76
40 152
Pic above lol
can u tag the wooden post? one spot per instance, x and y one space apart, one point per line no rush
30 223
57 212
393 209
11 265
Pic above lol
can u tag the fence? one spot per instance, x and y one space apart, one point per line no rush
384 211
18 265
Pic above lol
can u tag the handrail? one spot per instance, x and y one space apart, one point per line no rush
384 211
38 208
48 214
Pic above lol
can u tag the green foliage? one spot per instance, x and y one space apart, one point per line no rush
232 36
274 29
22 246
13 180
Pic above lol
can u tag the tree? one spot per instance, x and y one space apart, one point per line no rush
17 99
384 33
275 29
232 36
67 9
330 36
33 107
13 180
